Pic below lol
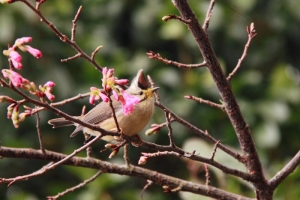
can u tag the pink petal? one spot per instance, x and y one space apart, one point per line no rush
23 40
104 71
129 103
50 96
103 97
17 64
50 84
16 79
94 89
35 52
15 56
122 81
115 95
92 99
110 72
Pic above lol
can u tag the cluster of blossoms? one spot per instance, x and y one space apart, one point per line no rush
111 84
19 82
15 57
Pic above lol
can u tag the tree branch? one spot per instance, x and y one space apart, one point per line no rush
157 178
242 130
63 37
288 169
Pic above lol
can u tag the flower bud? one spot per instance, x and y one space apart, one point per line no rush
50 96
104 71
10 109
109 146
103 97
49 84
23 40
35 52
166 18
110 72
92 99
16 59
6 99
113 153
15 116
122 81
115 95
6 1
142 160
22 116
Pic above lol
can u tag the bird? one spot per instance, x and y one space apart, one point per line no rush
101 114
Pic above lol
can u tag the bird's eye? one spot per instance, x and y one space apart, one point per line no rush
141 92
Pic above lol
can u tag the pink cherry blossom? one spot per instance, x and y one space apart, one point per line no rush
23 40
110 72
96 94
128 102
50 84
17 65
16 79
16 59
50 96
122 81
47 89
35 52
103 97
104 71
92 99
115 95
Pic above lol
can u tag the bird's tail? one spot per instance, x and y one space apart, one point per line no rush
59 122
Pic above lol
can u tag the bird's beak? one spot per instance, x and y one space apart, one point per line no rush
154 89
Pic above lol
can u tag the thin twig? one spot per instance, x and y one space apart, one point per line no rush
157 56
169 17
169 151
214 150
200 100
61 36
201 133
49 167
114 114
87 137
95 51
39 3
207 176
149 183
72 189
208 15
170 133
78 55
39 133
74 23
60 103
251 34
287 170
125 156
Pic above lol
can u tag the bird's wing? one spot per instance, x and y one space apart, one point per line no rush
98 114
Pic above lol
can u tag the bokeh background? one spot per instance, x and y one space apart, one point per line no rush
266 87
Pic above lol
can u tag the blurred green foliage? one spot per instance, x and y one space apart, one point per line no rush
266 87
